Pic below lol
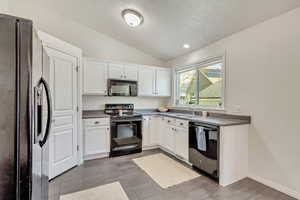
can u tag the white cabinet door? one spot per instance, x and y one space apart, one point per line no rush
163 133
96 140
154 127
182 142
170 138
94 78
131 72
146 81
116 71
163 82
146 132
63 137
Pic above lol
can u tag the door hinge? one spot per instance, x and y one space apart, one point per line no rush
77 108
77 147
77 69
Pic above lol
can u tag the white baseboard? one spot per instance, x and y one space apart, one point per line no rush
150 147
96 156
276 186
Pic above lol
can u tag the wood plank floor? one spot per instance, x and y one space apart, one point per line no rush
139 186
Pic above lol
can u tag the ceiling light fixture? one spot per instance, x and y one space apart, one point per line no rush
186 46
132 17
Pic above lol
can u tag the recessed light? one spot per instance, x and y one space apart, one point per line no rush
186 46
132 17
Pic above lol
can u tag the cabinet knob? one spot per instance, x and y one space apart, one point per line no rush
181 124
97 122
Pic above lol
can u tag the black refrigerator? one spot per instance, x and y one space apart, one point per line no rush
25 112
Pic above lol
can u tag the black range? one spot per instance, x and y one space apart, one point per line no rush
126 129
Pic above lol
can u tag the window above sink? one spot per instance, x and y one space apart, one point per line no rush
201 85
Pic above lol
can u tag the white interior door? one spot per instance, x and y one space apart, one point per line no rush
63 137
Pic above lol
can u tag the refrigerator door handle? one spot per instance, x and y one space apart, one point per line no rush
37 114
49 107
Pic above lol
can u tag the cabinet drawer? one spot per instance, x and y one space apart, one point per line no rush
170 121
96 122
182 123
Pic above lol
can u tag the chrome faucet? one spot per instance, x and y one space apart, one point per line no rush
193 111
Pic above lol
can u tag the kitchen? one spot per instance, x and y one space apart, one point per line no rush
152 112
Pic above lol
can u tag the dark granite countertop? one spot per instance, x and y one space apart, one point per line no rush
214 118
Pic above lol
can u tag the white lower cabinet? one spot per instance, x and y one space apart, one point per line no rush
170 138
146 132
174 136
154 126
96 138
182 143
151 131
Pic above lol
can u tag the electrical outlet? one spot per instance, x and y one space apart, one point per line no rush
236 108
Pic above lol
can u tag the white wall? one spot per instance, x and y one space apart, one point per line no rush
4 6
93 44
263 70
98 102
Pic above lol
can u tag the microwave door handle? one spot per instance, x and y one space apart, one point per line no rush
49 107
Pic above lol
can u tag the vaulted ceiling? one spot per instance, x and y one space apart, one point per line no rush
168 24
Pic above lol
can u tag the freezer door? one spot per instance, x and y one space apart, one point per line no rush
37 72
7 106
42 123
47 115
23 110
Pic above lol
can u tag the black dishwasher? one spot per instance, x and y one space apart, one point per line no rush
204 148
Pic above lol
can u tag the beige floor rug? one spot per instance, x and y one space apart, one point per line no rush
165 171
112 191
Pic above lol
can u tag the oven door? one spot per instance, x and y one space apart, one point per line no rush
125 136
122 88
204 147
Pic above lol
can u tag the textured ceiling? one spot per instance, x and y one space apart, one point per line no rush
171 23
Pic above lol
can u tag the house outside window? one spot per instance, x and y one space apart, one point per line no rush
202 85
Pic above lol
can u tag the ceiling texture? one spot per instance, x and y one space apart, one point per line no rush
168 24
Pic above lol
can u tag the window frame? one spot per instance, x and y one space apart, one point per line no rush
204 63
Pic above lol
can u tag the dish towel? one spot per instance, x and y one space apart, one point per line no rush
213 135
201 139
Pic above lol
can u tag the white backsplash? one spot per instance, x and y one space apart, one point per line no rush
98 102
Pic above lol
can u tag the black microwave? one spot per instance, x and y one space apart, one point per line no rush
122 88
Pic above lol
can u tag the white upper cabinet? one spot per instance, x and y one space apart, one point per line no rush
94 77
123 71
163 82
131 72
154 81
116 71
146 81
